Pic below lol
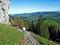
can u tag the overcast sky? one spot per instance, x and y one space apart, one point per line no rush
28 6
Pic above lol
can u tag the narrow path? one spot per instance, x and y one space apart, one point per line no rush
30 40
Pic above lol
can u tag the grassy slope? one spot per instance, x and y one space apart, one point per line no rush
52 23
44 41
9 35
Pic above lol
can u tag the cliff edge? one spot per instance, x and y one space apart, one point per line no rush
4 7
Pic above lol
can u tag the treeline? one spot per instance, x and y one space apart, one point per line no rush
44 27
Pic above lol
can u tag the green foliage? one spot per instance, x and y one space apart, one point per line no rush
42 28
46 25
19 22
53 28
54 24
39 24
9 35
44 41
44 32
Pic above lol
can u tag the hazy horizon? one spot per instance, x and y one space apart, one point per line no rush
29 6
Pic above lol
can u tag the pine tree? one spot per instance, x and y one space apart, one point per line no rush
39 23
42 28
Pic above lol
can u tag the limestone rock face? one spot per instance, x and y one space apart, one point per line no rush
4 7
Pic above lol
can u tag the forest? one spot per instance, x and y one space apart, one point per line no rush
42 24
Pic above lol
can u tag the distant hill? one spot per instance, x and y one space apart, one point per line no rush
34 16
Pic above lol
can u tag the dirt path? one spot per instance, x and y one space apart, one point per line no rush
30 40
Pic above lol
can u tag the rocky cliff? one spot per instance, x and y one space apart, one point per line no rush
4 7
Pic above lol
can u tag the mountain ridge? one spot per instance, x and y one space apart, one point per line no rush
34 16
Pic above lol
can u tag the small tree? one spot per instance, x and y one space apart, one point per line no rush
20 23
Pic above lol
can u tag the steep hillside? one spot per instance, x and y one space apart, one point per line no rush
44 41
52 23
10 36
